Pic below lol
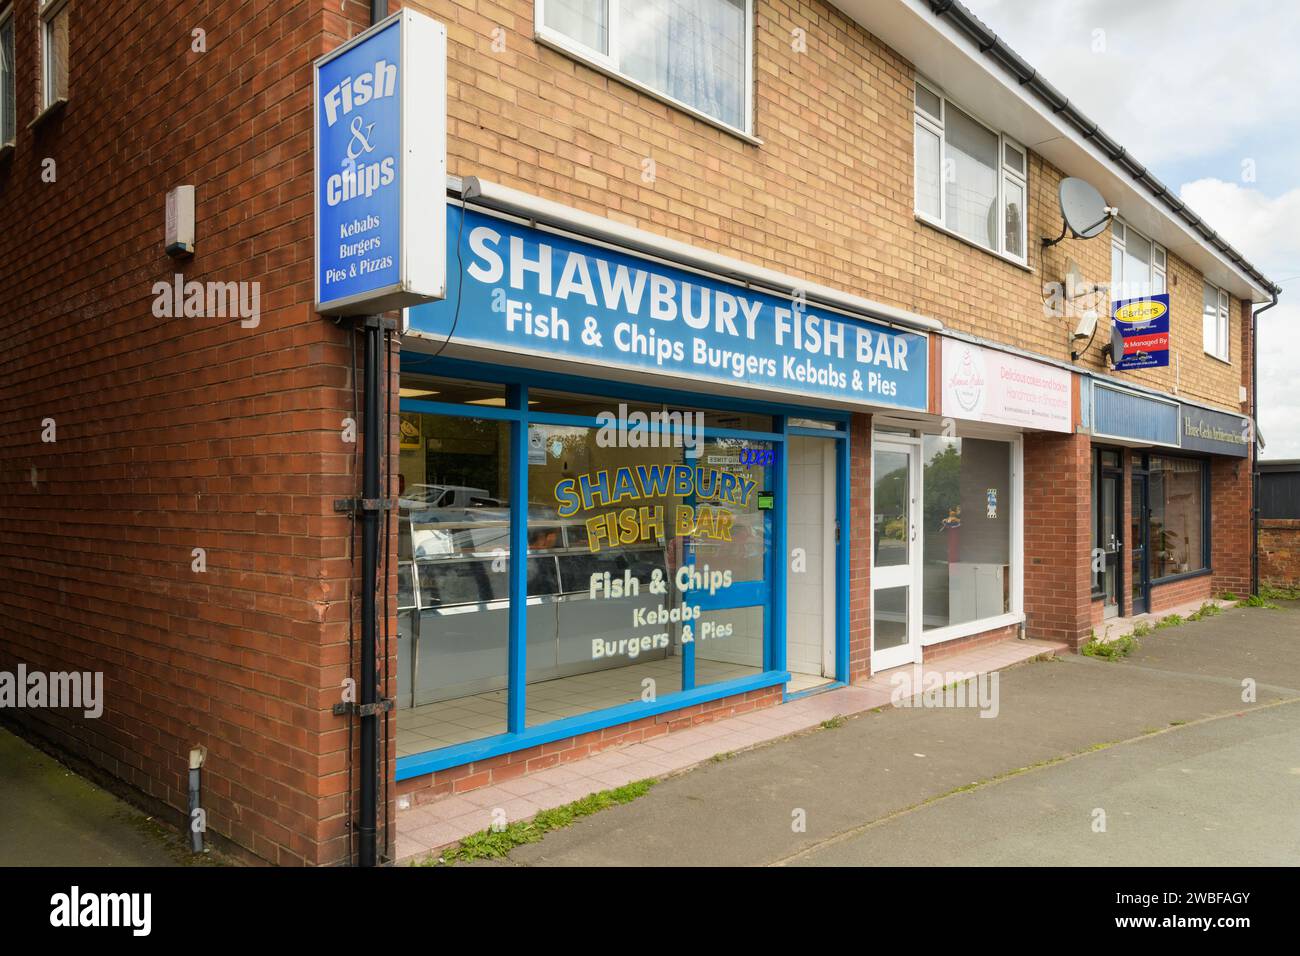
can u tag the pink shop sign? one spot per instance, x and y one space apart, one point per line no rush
985 385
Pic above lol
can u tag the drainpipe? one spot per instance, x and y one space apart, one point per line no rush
369 697
1254 445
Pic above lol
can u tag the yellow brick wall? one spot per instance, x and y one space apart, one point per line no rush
827 196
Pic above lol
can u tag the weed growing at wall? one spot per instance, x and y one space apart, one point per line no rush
1114 650
494 844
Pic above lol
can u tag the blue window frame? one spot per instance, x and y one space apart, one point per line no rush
771 592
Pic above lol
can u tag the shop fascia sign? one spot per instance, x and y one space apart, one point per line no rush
1220 433
522 291
1140 332
380 119
986 385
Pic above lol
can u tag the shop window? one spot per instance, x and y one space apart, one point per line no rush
661 564
648 571
693 53
1137 265
54 51
8 95
1177 532
968 511
970 179
453 581
1217 323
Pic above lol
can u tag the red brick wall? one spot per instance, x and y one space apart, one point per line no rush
937 652
1058 539
1230 530
1166 597
175 434
860 548
1279 552
482 773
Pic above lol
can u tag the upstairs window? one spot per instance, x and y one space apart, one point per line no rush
970 180
54 52
8 99
695 54
1216 323
1137 265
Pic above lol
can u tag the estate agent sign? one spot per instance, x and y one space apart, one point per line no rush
1143 327
380 112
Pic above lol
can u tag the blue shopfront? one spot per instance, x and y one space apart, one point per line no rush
625 489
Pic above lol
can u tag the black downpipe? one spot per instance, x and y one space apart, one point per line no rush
369 755
369 566
1254 445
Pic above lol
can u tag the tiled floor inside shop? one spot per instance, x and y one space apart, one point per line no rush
448 722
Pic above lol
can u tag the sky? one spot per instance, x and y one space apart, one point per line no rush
1206 94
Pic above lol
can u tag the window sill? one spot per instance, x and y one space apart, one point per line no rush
46 113
940 227
954 631
484 748
552 41
1219 358
1181 576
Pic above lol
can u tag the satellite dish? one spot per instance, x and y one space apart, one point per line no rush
1082 208
1114 350
1085 213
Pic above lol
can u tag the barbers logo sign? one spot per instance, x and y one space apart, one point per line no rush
380 166
1143 327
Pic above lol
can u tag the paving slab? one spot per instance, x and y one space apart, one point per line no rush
51 816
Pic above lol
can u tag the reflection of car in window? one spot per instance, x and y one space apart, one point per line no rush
444 496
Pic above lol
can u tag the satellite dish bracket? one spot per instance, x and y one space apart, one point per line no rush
1066 228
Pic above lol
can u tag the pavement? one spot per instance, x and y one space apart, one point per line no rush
423 829
1155 759
50 816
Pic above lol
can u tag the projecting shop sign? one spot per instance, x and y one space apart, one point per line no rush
380 113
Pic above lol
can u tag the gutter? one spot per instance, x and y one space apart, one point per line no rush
991 45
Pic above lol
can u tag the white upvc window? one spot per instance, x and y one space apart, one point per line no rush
1138 266
1216 323
970 179
696 55
8 96
54 52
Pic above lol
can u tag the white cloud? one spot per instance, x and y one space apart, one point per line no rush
1171 80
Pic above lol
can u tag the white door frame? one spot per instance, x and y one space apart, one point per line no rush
903 575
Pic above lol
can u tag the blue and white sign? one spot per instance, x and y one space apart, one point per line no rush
522 291
1142 327
380 108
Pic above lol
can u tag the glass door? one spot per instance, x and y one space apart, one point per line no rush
895 554
813 540
1138 538
1110 522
